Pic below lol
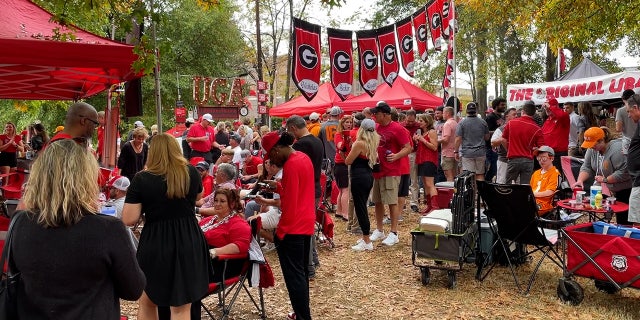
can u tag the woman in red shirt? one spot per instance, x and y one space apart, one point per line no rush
426 141
341 171
10 144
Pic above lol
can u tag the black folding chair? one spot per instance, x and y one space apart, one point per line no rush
514 209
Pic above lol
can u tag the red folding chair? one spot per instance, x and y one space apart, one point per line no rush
229 289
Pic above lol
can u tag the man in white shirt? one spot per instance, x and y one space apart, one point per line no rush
576 126
117 191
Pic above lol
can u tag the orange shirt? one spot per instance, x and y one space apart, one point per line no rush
542 182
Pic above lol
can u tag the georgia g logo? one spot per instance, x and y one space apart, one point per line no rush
341 61
369 59
422 33
619 263
436 21
407 44
389 53
307 56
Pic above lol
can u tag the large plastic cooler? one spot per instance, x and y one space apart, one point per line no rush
445 193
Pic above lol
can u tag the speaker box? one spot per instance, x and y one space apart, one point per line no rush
133 98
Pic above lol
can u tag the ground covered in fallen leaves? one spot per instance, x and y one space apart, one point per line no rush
384 284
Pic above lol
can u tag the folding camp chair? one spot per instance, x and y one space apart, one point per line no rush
514 209
228 290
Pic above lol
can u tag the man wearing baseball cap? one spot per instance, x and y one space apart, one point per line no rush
395 145
118 186
544 181
556 130
201 136
314 124
606 164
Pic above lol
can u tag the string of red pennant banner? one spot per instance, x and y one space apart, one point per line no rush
377 51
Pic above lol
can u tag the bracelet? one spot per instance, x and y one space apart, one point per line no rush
197 210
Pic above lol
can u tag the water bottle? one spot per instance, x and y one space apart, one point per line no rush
595 188
563 215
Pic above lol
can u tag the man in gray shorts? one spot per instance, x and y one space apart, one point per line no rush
471 134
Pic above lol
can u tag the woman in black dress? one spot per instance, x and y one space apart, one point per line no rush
133 155
172 253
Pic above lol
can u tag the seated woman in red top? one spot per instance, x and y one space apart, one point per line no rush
227 233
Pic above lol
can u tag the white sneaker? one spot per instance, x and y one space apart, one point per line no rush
269 246
391 239
377 235
362 246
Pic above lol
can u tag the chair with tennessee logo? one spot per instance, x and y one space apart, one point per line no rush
255 275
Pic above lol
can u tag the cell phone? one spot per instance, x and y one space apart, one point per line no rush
250 196
419 131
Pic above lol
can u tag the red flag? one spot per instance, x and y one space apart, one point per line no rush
306 57
341 56
405 41
388 54
448 71
563 61
368 56
446 17
420 27
434 10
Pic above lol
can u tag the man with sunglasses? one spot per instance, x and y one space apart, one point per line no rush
544 181
633 160
80 123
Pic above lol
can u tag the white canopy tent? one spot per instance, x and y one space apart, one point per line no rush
600 90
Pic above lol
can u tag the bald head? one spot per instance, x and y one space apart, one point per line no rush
81 120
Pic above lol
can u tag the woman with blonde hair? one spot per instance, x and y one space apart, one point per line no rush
172 251
63 248
362 158
133 155
10 145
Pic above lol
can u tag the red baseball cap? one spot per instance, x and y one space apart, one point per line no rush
268 141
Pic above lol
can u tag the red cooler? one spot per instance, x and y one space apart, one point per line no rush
445 193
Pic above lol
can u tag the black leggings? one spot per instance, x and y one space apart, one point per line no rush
361 184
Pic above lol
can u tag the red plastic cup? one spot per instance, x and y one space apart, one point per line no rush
575 191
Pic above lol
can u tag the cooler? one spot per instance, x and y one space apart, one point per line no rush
445 193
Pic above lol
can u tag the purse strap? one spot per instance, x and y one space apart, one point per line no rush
6 251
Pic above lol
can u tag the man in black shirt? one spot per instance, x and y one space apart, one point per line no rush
633 160
494 120
312 147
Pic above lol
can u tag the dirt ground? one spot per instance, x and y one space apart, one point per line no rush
384 284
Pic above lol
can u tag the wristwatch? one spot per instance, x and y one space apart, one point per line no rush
212 253
605 180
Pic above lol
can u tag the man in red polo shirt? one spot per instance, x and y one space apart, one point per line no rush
556 130
523 136
201 136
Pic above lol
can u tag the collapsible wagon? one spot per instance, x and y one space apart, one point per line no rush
606 253
448 248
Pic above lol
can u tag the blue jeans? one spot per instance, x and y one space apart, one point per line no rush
491 164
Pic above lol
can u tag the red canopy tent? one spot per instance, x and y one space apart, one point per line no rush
34 65
403 95
326 98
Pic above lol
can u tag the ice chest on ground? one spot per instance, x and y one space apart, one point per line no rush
487 237
445 193
436 221
601 227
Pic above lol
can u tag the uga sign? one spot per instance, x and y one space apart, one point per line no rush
603 87
216 92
